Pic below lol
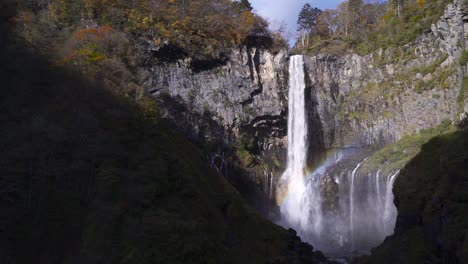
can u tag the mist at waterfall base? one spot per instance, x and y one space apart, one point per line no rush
338 208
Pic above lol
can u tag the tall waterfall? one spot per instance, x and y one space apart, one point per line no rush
297 201
338 209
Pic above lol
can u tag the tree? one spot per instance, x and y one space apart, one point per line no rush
326 23
373 12
307 22
397 5
343 18
245 5
242 5
307 19
355 14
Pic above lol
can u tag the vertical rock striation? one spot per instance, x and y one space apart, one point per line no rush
352 101
377 98
236 108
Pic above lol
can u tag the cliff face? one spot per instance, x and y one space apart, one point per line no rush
360 102
378 98
241 93
236 108
89 176
431 197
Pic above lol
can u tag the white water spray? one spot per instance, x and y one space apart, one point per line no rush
337 211
296 205
351 203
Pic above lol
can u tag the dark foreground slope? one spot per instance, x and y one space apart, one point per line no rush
431 194
89 176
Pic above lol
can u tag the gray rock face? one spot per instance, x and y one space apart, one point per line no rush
378 98
240 102
353 100
250 85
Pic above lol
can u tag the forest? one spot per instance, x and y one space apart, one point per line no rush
199 29
365 26
189 131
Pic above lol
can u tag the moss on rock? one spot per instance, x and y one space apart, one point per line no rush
395 156
431 196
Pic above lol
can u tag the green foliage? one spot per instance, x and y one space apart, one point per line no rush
414 19
324 46
245 156
461 99
358 106
244 150
424 70
243 5
358 115
387 114
277 162
371 26
440 79
397 155
307 19
99 174
463 60
433 185
67 11
201 29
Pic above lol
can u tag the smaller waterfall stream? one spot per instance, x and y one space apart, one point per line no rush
351 204
339 211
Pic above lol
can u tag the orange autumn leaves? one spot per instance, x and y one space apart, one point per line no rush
86 45
92 33
201 29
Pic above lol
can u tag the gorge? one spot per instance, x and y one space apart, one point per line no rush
365 118
157 131
363 213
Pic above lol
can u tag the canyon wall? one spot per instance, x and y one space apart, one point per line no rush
244 92
378 98
237 107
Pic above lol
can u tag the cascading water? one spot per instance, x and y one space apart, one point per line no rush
296 202
339 211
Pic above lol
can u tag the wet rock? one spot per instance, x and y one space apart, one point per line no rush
431 194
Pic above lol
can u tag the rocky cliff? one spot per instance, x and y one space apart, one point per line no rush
242 93
235 107
378 98
431 197
87 175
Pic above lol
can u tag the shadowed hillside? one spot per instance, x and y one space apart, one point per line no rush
431 197
91 176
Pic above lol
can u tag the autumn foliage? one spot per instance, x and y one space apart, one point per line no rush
88 34
201 28
108 39
87 45
368 25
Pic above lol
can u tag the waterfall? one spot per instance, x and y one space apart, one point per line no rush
338 209
351 203
296 202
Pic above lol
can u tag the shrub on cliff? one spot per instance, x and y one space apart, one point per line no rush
431 194
202 29
90 175
367 26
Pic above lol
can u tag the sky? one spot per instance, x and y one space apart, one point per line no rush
286 11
